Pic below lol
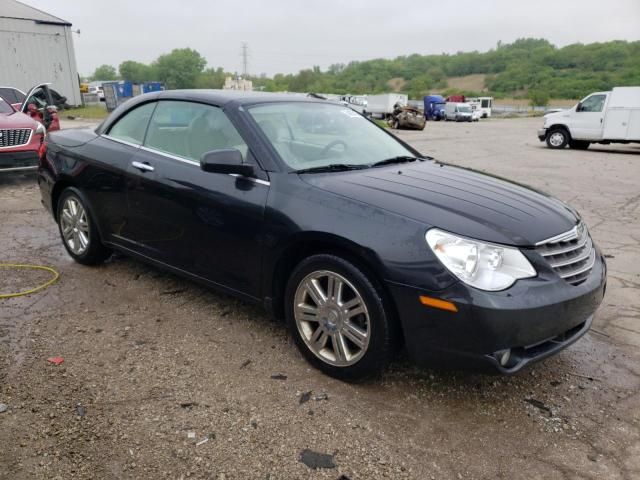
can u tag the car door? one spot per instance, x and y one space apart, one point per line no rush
111 153
40 106
207 224
587 121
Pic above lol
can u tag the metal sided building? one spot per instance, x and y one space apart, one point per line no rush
36 47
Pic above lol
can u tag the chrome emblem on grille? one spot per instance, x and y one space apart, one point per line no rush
571 254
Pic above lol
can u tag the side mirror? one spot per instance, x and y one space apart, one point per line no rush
227 161
579 107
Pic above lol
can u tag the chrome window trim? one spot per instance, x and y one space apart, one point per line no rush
22 144
124 142
170 155
254 180
180 159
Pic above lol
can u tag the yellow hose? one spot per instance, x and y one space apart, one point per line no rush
55 277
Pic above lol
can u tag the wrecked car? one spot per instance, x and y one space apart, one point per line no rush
406 117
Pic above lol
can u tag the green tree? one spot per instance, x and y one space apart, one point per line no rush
211 78
180 68
538 98
104 72
136 72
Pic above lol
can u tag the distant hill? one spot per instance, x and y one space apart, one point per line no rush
476 82
515 70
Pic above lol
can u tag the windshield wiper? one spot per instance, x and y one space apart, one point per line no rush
398 159
334 167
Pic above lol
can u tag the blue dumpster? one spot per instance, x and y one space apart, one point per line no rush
125 89
148 87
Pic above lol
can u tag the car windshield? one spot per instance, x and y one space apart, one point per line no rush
5 107
464 109
315 135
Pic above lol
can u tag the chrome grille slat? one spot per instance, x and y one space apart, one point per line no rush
571 254
558 251
579 256
588 266
14 137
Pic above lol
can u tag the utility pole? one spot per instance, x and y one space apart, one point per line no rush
245 58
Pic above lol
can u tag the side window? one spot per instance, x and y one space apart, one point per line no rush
190 129
9 95
594 103
132 126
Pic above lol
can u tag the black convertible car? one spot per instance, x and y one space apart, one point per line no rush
305 206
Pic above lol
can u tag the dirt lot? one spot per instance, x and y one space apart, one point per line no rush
164 379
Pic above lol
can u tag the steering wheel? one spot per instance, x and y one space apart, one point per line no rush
331 145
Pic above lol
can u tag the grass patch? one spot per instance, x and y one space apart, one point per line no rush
380 123
97 112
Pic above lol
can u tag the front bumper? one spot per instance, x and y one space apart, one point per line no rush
18 161
542 134
535 318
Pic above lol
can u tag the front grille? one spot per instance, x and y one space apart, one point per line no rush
14 137
570 254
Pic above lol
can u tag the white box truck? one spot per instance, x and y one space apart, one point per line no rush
381 106
481 104
602 117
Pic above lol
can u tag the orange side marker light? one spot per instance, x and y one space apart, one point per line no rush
437 303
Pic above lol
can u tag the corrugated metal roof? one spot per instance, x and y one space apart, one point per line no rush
19 10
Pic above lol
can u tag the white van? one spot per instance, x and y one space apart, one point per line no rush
602 117
460 112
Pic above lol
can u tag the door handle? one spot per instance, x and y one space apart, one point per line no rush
144 167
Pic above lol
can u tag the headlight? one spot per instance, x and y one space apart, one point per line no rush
481 265
40 130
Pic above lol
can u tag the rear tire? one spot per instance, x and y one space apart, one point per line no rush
579 144
78 230
557 138
338 318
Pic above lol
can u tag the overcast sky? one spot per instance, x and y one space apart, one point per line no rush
288 35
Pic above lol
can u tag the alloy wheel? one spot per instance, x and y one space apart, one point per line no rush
74 226
332 318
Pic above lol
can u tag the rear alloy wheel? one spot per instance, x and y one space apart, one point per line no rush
338 319
557 138
78 230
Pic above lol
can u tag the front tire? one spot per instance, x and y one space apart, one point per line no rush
557 138
338 318
78 230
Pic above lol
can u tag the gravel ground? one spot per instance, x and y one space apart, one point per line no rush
164 379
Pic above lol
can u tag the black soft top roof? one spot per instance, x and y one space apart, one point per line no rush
220 98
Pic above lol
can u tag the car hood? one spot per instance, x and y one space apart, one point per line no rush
16 120
455 199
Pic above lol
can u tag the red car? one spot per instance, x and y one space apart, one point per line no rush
22 132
